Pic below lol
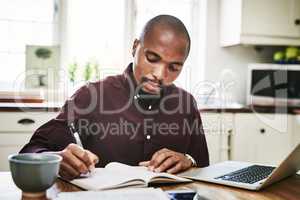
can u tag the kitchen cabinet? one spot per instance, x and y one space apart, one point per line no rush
260 22
16 130
218 128
262 138
296 131
11 143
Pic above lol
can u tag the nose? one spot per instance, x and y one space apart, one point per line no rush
159 72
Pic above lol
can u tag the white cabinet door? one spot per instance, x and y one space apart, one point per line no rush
23 121
270 18
11 143
212 130
260 22
217 127
296 130
262 138
16 129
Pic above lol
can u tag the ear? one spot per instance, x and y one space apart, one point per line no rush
134 47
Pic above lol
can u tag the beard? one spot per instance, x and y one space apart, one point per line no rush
152 87
147 98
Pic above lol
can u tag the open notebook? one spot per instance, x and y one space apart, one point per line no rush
117 175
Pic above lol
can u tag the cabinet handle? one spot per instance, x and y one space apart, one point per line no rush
297 21
262 131
26 121
229 145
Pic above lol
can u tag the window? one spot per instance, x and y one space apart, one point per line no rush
30 22
94 32
105 31
88 31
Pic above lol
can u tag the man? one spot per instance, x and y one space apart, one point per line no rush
137 118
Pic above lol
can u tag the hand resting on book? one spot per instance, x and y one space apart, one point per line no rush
169 161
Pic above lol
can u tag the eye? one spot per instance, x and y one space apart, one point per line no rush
174 67
152 58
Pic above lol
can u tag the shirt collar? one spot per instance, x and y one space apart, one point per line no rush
129 78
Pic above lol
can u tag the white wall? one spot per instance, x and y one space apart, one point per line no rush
219 59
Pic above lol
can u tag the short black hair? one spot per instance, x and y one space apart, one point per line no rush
169 22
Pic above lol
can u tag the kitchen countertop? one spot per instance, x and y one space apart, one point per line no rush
253 109
45 106
55 107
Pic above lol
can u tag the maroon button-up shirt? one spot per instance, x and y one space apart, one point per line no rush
116 127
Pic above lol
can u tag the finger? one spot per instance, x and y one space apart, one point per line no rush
154 157
81 154
175 169
93 157
166 164
144 163
76 163
159 152
68 170
160 159
65 175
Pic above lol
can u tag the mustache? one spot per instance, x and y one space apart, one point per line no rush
145 79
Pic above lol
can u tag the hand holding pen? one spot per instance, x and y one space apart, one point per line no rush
76 160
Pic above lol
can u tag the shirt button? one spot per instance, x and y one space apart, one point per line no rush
148 137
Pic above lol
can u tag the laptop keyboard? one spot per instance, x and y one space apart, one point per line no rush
251 174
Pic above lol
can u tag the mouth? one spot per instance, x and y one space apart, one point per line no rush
152 87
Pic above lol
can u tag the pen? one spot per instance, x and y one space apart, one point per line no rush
78 142
75 134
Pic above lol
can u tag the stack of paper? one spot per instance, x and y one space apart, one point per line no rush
124 194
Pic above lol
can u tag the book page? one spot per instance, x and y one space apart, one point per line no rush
103 178
124 194
144 173
118 175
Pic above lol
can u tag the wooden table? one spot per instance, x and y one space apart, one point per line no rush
288 189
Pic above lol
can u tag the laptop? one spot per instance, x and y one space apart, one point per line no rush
247 175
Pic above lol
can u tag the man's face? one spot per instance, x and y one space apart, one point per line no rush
158 60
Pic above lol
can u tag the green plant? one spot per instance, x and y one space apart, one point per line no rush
88 71
72 68
96 71
43 53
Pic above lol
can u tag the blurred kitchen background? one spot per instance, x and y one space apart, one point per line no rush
49 48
